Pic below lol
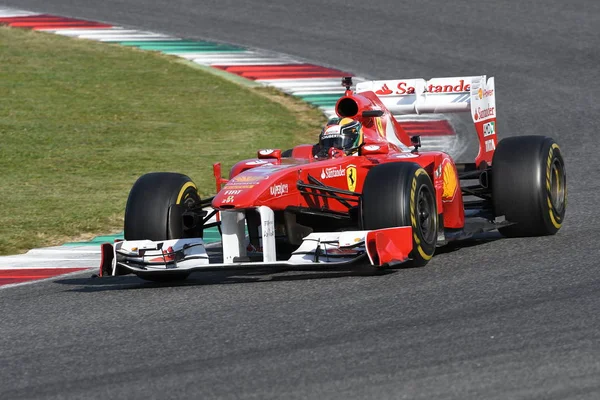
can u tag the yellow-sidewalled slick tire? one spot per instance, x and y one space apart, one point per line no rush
529 185
401 194
150 214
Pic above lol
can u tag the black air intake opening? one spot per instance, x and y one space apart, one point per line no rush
347 107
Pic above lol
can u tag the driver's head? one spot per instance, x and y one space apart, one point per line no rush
345 134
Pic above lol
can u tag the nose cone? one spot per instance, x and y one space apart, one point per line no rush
242 191
253 187
268 185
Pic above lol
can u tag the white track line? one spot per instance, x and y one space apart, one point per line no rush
100 32
125 38
224 55
12 13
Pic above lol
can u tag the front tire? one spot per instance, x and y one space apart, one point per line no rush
154 212
401 194
529 185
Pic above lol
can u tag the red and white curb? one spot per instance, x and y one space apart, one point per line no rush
317 85
45 263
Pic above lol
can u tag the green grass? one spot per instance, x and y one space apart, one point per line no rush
80 121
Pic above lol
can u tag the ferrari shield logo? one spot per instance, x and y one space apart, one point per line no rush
351 177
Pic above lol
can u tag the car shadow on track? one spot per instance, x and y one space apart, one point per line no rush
200 278
477 240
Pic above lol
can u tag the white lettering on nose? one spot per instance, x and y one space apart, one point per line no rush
279 189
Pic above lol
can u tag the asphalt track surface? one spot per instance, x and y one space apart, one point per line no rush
496 319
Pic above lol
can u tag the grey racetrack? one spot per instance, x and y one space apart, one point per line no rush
496 319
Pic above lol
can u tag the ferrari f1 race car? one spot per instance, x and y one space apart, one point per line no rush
367 192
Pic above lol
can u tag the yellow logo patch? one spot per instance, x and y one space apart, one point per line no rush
450 181
351 177
379 127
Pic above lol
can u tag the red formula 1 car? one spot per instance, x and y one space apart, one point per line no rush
366 191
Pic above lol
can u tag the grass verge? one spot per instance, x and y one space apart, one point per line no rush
80 121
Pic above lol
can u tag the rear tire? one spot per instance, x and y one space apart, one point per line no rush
152 211
401 194
529 185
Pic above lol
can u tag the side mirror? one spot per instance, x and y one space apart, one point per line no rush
269 153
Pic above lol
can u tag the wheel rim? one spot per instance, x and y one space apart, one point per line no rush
190 200
426 215
557 186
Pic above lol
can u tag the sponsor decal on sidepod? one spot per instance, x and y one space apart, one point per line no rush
450 181
332 172
279 190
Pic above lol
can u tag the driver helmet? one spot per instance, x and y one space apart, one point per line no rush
345 134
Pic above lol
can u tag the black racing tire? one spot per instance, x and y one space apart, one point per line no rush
147 213
401 194
151 213
529 185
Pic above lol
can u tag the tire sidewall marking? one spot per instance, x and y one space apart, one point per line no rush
555 219
182 191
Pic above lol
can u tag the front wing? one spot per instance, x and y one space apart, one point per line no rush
381 247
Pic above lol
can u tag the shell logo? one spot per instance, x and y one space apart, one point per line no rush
480 93
450 181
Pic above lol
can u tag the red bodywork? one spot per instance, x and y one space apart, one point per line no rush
271 180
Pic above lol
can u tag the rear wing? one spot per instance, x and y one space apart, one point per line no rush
473 94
